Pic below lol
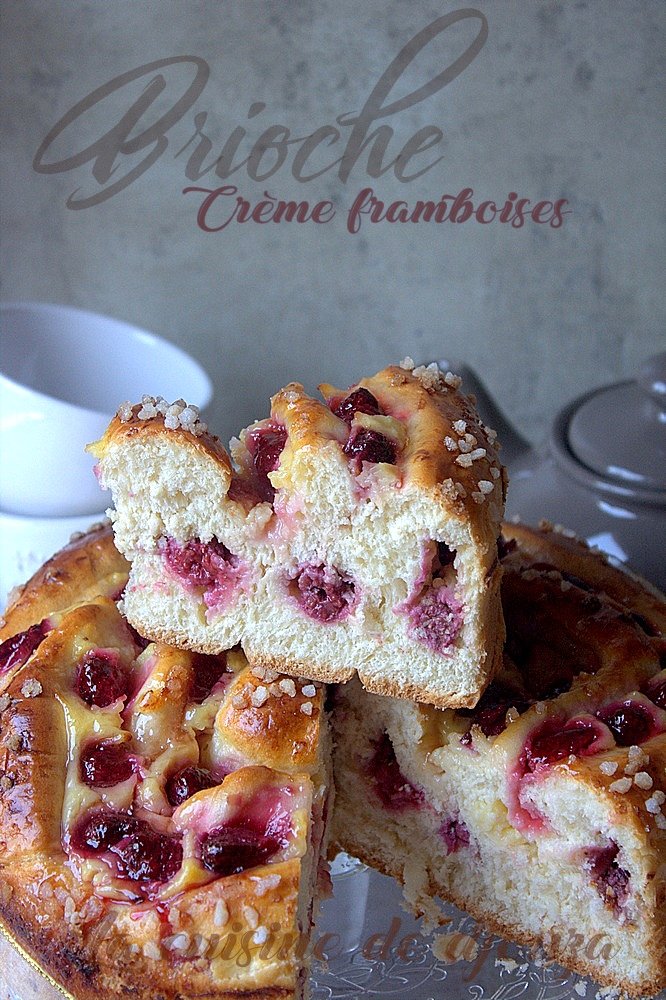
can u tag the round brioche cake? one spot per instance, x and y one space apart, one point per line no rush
357 534
163 813
541 811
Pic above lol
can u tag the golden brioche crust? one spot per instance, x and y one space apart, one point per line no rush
582 636
203 935
89 566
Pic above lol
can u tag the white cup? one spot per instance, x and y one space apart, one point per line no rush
27 542
63 373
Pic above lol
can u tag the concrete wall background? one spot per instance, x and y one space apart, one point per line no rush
563 101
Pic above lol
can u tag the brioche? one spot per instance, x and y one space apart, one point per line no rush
542 811
162 813
355 535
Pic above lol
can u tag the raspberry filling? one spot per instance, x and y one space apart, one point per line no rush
229 850
100 678
436 619
265 445
208 565
322 592
358 401
630 722
187 782
136 851
208 672
434 612
556 739
18 649
105 764
369 446
455 835
552 741
390 785
610 881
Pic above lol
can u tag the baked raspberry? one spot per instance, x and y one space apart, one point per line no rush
18 649
201 564
323 593
265 445
358 401
105 763
455 835
100 678
183 784
436 618
556 739
232 849
208 672
369 446
610 881
148 856
655 690
100 830
630 722
389 783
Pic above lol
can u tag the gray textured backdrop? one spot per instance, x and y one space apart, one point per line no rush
563 101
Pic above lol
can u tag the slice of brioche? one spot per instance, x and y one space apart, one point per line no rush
543 811
353 535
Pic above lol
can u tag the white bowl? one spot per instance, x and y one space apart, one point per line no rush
27 542
63 373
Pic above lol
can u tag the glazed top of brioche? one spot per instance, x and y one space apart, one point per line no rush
253 730
443 446
443 443
89 566
151 418
584 640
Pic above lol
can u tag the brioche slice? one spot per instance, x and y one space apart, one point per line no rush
542 811
357 534
162 813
